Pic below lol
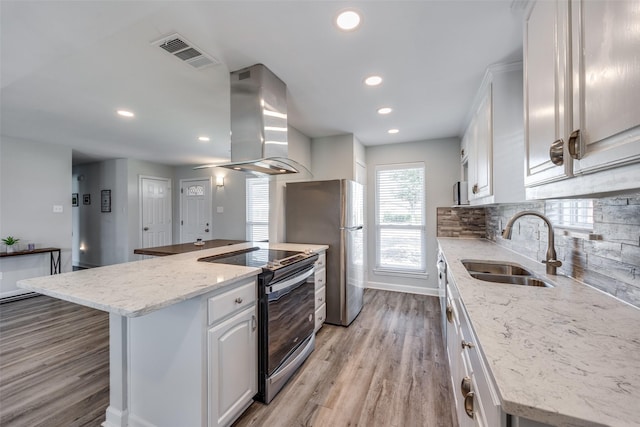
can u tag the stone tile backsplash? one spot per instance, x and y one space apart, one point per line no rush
461 222
609 262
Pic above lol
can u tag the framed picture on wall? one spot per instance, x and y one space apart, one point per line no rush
86 199
74 199
105 201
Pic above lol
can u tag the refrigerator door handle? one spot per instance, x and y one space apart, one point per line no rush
360 227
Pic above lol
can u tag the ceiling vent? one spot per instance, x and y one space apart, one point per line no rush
184 50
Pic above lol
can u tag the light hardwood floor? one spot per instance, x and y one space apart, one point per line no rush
54 364
387 369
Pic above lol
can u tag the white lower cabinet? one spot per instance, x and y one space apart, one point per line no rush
475 396
232 367
194 363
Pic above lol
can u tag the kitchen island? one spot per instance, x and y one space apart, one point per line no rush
162 313
562 356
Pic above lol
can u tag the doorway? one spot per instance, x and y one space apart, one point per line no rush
195 210
155 211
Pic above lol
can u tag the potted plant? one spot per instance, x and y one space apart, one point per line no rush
10 242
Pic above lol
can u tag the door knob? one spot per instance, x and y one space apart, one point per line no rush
146 229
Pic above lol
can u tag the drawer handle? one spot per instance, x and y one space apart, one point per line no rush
467 344
238 300
465 386
449 313
468 404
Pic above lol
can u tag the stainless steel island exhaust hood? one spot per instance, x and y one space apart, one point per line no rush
259 123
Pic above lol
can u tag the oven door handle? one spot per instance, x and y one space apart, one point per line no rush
288 283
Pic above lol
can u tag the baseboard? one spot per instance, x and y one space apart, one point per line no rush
115 417
418 290
16 295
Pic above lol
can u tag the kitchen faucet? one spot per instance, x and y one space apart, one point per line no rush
551 261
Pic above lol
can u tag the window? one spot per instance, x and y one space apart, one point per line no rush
257 209
570 213
400 218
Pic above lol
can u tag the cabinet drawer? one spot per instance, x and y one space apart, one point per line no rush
322 261
320 296
224 304
320 278
321 314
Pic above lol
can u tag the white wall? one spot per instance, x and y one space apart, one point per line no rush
231 223
300 151
332 157
33 178
442 167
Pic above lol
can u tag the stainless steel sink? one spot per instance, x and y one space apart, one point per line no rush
513 279
503 272
495 267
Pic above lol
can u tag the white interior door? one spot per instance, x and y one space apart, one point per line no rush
195 212
155 211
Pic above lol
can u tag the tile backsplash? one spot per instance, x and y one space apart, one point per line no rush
608 258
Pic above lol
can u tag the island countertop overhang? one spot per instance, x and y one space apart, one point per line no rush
137 288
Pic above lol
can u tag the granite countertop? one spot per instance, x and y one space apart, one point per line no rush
565 356
137 288
181 248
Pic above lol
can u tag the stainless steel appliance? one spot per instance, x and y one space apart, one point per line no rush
286 307
460 195
332 213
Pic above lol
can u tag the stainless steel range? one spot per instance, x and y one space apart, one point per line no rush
285 310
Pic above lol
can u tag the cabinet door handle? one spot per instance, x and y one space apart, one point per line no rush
468 404
449 313
465 386
254 323
575 144
145 229
238 300
475 189
556 152
467 344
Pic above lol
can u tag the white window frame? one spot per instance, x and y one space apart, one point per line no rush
566 214
420 271
250 222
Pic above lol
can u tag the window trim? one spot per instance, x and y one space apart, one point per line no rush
417 272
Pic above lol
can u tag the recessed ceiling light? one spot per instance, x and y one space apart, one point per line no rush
373 80
384 110
125 113
392 131
348 20
204 138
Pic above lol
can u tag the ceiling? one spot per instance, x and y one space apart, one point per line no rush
66 66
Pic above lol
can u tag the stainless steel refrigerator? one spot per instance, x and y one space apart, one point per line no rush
332 213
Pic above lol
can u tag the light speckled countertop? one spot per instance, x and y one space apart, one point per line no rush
565 356
137 288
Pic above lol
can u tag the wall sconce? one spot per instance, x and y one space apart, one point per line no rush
220 181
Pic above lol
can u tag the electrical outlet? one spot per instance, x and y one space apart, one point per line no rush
57 209
220 209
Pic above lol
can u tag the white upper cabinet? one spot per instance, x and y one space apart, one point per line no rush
545 89
494 138
480 161
606 79
582 86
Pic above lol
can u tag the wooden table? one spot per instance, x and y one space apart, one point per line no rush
55 265
185 247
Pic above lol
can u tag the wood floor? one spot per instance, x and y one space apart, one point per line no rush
387 369
54 364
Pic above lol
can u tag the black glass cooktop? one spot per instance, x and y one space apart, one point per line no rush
256 257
